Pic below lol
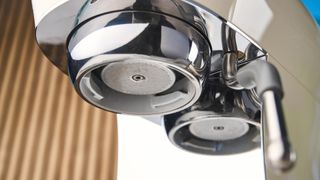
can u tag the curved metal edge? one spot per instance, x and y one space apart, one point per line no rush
104 59
208 17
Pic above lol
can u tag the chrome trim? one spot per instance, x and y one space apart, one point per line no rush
106 102
217 102
180 135
154 38
162 36
230 69
207 22
279 150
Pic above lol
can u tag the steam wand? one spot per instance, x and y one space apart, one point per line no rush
265 78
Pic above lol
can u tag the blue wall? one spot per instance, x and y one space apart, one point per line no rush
313 6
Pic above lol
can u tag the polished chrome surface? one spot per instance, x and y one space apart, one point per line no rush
211 133
97 24
180 38
151 34
74 12
265 79
292 46
89 10
279 151
229 70
176 8
228 37
223 121
230 57
183 93
289 34
255 98
170 57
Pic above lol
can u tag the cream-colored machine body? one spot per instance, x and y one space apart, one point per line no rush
283 28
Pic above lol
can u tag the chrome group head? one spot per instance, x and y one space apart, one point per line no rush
171 58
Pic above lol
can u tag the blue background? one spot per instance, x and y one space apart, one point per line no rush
313 6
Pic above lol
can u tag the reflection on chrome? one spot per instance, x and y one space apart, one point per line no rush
168 58
99 38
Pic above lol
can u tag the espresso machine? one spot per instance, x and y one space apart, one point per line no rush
222 77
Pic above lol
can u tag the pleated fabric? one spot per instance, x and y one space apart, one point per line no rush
47 132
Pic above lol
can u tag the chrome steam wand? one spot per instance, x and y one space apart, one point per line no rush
265 78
